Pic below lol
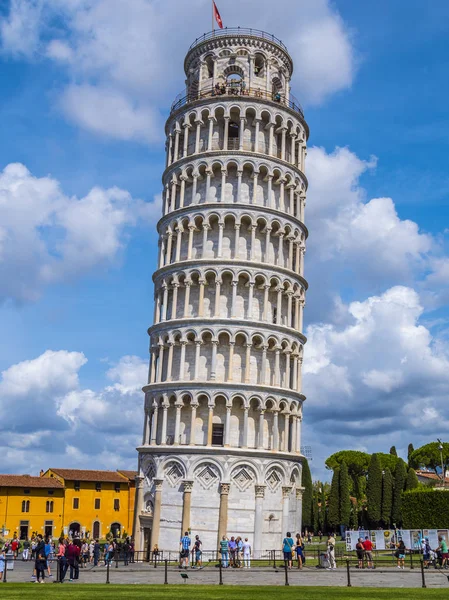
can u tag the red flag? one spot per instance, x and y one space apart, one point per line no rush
217 16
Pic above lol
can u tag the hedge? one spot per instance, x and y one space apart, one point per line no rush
425 509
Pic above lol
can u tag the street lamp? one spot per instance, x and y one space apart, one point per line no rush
443 474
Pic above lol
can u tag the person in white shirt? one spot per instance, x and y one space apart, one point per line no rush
331 552
246 554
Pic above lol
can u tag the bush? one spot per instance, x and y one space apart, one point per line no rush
425 509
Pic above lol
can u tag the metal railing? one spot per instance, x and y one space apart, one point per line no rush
231 90
227 31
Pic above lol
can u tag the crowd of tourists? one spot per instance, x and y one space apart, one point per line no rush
71 555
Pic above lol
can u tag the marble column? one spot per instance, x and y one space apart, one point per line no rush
138 508
186 505
223 512
285 508
156 512
258 521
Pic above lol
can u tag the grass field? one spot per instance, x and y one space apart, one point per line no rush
203 592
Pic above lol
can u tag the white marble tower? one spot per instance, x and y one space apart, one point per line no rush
221 448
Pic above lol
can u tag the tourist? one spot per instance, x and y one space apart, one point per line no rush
287 548
108 553
39 550
246 546
197 547
96 553
184 550
91 550
33 547
444 552
2 563
239 551
299 551
224 551
84 554
49 554
15 544
360 551
331 552
320 535
26 550
131 550
426 550
62 561
232 551
368 546
126 552
41 564
400 554
73 557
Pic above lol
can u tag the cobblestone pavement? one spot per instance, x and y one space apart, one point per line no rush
147 574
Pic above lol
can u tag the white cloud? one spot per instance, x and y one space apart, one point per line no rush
43 406
127 59
46 236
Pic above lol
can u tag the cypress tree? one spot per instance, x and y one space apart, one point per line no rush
387 497
307 496
393 451
324 526
354 517
345 501
412 480
374 491
333 511
410 461
400 475
316 513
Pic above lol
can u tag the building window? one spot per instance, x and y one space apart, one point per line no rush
76 503
76 485
49 506
26 491
25 506
117 487
50 492
116 504
98 487
217 434
97 503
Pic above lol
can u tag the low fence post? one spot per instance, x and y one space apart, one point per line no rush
6 570
220 570
348 573
107 572
274 559
411 559
58 570
155 559
166 572
116 559
286 572
423 576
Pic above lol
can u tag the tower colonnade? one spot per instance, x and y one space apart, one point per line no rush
221 444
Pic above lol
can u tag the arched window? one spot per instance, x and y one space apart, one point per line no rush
49 506
25 506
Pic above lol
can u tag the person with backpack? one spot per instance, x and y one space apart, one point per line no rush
287 548
426 552
198 553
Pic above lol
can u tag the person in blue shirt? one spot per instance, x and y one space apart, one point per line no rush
184 550
2 563
287 548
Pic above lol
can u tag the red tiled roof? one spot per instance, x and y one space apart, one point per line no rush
131 475
27 481
429 475
87 475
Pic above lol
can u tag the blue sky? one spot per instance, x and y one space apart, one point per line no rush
86 87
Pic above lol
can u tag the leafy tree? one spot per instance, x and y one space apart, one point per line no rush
411 482
388 461
387 497
357 463
333 511
400 475
429 457
374 491
307 496
315 513
345 501
393 451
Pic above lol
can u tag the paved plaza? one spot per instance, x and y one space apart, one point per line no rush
263 576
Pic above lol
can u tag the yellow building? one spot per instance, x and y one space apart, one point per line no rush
30 504
67 500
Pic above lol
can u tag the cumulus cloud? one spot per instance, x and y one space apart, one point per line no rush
46 236
355 242
43 406
126 64
380 379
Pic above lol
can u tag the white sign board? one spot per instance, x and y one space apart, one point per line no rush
380 540
404 535
432 534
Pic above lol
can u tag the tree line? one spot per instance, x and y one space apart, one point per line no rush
366 489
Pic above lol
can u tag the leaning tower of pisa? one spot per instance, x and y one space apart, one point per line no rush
221 448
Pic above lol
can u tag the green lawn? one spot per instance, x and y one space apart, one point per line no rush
203 592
